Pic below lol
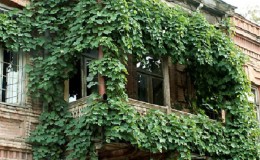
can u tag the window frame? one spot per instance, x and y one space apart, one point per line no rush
86 56
150 76
21 78
256 102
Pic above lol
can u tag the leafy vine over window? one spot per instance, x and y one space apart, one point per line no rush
55 33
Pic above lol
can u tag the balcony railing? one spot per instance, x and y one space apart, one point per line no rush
76 108
111 151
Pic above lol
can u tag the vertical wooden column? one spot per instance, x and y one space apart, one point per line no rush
83 71
223 116
102 91
166 83
101 79
66 90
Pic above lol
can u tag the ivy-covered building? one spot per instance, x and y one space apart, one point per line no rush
127 80
247 39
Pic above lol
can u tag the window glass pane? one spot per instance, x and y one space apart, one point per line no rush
11 79
150 80
151 65
157 91
142 87
93 54
95 87
11 70
253 91
256 102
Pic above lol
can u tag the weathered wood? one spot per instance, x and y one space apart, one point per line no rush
166 84
223 116
66 90
101 79
123 151
15 3
142 107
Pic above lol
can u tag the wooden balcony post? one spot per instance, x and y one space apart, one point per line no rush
66 90
223 116
166 84
101 79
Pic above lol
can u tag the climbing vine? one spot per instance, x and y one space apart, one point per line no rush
56 33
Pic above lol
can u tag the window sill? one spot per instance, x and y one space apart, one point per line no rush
14 105
7 110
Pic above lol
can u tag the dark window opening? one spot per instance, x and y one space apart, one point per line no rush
142 88
75 84
150 80
78 83
213 114
157 91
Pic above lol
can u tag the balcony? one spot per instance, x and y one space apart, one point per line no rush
76 108
117 151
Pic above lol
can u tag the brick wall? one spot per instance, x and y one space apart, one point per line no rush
9 154
16 123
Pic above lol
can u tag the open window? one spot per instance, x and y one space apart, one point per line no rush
150 80
255 100
78 83
11 77
215 114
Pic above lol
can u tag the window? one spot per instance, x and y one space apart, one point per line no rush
78 83
11 77
213 113
150 80
255 100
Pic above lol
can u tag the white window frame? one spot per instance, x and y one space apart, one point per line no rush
15 86
255 101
